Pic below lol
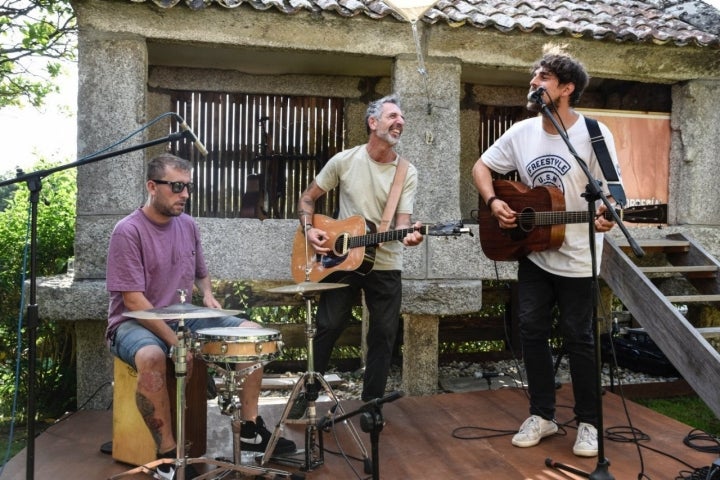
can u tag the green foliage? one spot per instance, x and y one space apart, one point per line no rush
36 36
55 368
690 410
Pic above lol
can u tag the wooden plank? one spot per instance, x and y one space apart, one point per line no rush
655 245
687 350
429 437
709 332
697 255
708 271
693 298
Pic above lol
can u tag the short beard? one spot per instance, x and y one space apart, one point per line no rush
533 107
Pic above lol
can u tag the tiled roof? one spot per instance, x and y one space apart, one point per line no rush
679 22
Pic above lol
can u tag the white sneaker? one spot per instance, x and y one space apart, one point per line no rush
165 472
533 430
586 443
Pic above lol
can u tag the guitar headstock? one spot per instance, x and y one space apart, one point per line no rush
645 214
447 229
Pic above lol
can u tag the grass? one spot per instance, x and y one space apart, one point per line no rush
690 410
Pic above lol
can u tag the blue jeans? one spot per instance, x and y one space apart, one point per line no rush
539 292
383 297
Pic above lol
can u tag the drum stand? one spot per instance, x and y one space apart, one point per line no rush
311 382
222 467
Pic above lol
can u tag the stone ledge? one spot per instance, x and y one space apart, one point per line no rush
64 298
441 297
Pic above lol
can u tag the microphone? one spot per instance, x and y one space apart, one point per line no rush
488 375
536 96
189 133
390 397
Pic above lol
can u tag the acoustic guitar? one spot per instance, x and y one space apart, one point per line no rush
352 242
541 220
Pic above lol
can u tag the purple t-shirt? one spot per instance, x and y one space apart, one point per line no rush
157 260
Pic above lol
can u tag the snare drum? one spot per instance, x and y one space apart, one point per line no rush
238 345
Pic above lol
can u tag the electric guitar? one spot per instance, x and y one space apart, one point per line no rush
541 220
352 242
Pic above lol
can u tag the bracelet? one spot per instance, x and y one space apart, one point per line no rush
491 200
308 226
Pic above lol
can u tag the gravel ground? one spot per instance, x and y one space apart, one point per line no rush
513 373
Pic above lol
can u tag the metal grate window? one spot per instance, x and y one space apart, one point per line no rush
263 151
494 121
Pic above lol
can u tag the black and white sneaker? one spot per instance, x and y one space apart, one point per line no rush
167 471
254 437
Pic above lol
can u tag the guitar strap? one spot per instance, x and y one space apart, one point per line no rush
394 196
606 164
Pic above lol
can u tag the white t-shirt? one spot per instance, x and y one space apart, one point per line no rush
542 159
364 189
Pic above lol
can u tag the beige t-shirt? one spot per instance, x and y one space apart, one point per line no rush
364 188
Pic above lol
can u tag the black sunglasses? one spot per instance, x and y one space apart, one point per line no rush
176 187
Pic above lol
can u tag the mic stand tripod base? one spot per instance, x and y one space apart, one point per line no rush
601 471
314 452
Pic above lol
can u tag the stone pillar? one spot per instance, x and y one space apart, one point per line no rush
694 154
111 106
431 140
420 370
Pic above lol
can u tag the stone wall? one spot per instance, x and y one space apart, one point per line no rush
128 61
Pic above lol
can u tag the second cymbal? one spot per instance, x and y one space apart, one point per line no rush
184 310
306 287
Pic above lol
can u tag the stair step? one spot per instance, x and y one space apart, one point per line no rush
656 245
709 332
693 271
692 298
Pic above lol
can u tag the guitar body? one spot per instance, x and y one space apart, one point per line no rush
502 244
541 219
251 205
342 258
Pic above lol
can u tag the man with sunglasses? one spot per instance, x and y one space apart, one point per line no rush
154 252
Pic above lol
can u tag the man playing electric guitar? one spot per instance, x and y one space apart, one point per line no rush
365 175
556 277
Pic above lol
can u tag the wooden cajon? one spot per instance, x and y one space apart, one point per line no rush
132 442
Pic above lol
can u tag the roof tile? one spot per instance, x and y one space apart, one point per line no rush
681 22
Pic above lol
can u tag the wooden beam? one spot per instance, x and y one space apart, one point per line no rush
696 360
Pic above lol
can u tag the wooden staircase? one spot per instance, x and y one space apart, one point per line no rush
683 344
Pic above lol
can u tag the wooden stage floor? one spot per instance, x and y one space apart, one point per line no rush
431 437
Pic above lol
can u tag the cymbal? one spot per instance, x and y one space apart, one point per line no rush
306 287
184 310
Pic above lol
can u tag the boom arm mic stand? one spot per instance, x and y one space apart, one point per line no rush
592 193
34 184
371 421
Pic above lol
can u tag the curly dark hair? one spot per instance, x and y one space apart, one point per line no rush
567 69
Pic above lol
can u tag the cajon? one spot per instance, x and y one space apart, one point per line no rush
132 442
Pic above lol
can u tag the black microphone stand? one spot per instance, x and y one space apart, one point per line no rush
593 192
371 421
34 183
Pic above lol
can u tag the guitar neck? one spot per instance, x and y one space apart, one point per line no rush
561 218
382 237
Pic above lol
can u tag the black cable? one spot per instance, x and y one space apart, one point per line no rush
699 435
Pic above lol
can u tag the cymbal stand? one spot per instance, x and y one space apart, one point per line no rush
181 461
310 381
